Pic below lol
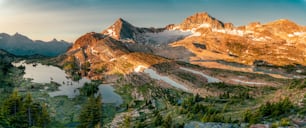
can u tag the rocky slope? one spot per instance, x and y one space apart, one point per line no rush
126 32
21 45
210 39
272 42
200 39
5 56
96 53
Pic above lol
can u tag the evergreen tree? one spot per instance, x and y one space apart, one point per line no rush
27 110
167 123
91 113
10 110
18 112
127 121
196 98
251 117
89 89
139 124
205 118
44 119
158 120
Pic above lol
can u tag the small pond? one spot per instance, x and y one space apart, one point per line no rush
45 74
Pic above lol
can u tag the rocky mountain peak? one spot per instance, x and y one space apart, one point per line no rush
121 20
201 34
254 24
229 26
19 36
119 23
86 40
284 25
202 19
283 22
54 40
120 29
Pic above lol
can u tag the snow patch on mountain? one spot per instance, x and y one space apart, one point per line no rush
93 51
297 34
113 59
205 25
139 68
193 30
266 38
247 82
195 34
164 37
111 32
231 32
127 40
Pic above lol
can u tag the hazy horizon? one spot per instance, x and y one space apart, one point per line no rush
69 19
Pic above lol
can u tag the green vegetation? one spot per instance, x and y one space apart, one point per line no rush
231 106
91 113
302 110
167 122
224 72
19 111
72 68
85 67
6 85
101 70
269 110
89 89
187 77
276 109
297 83
158 120
127 121
154 106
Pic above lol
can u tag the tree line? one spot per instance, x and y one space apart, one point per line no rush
23 112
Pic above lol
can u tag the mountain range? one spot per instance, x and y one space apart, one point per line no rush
201 72
21 45
200 39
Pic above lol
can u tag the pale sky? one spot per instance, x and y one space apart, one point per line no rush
69 19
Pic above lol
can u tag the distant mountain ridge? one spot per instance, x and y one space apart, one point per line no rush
21 45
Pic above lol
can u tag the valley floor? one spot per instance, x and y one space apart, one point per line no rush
241 100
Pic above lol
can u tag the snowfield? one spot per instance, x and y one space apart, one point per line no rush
231 32
163 37
297 34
